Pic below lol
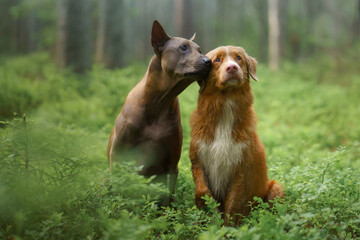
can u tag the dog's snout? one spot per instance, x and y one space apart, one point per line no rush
232 68
206 60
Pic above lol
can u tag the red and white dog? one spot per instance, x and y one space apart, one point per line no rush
228 158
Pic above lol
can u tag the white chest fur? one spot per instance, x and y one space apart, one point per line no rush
220 157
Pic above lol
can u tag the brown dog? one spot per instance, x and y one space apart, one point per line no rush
228 158
148 127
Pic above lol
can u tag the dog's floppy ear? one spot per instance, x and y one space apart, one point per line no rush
158 37
193 37
251 67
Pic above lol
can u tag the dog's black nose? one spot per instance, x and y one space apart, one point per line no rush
206 60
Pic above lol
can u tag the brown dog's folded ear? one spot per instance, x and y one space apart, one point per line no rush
193 37
158 37
251 67
202 84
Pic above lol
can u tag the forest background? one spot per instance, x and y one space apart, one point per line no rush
66 68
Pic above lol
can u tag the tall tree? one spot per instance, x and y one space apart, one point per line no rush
184 24
74 43
147 49
205 26
284 26
356 36
20 29
274 34
110 44
262 10
221 26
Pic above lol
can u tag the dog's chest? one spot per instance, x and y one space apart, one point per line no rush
221 156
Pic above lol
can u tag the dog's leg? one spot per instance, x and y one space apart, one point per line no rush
172 183
201 186
233 205
162 179
201 189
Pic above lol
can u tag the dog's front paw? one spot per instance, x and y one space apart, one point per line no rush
199 200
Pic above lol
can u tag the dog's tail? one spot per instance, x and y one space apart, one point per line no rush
275 190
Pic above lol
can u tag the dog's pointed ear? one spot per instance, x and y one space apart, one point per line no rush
193 37
158 37
251 67
202 84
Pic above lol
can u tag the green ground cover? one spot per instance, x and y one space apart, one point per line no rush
54 181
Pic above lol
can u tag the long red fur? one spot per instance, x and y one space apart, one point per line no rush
249 177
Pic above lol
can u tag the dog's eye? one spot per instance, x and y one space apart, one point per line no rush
238 58
217 60
183 48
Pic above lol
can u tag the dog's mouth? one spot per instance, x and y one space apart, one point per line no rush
201 71
230 82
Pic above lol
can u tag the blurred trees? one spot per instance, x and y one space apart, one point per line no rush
74 45
184 14
26 32
117 33
356 30
262 13
26 26
110 44
274 34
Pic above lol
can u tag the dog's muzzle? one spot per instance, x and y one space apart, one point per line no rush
202 68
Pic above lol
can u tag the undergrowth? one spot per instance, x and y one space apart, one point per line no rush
55 183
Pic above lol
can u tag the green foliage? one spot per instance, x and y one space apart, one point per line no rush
54 179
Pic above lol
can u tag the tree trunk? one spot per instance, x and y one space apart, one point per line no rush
262 8
33 32
74 45
184 24
110 45
61 33
356 37
274 33
205 28
100 39
285 29
221 25
25 32
146 30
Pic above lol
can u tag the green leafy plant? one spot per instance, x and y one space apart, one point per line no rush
55 182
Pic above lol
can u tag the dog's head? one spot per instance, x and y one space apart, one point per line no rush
180 58
232 68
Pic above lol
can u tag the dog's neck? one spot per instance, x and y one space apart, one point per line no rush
211 101
161 90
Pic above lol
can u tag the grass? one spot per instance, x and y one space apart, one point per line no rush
54 181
